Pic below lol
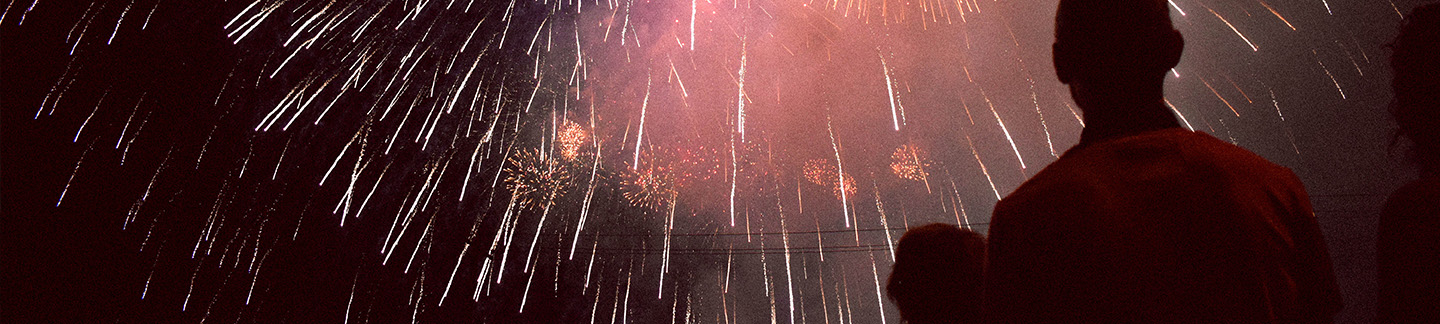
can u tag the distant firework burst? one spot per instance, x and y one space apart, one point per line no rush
650 187
909 163
823 173
572 140
535 178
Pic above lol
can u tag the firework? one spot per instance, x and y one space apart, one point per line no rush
533 178
823 173
909 163
651 185
572 139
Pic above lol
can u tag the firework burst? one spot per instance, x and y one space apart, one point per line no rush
652 184
533 177
909 163
823 173
572 140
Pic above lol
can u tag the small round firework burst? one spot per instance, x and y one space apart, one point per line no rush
823 173
909 162
819 172
533 177
572 139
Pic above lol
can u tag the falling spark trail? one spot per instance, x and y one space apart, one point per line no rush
890 89
146 290
186 304
1237 31
849 311
204 147
1177 8
1222 99
625 315
693 5
1005 130
729 260
342 154
740 94
12 4
589 195
789 278
1276 103
734 176
683 93
127 122
87 118
640 136
884 224
595 307
1327 73
509 236
591 266
1035 100
538 227
354 282
879 301
73 173
1177 113
982 166
1277 15
147 16
280 160
665 255
82 30
254 279
118 22
458 261
840 166
525 296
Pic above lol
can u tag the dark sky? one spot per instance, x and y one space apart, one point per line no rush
415 123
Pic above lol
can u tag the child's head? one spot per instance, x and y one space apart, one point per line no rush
937 274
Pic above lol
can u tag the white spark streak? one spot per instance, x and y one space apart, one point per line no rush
890 88
640 137
73 173
1005 130
840 166
87 118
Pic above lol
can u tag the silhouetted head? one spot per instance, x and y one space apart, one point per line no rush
937 272
1114 53
1416 60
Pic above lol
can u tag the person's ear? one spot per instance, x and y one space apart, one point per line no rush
1172 46
1064 64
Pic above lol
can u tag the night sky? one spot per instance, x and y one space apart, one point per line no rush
578 161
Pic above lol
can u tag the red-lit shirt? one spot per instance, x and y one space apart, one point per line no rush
1409 254
1165 226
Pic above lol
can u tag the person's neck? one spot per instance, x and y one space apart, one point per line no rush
1120 119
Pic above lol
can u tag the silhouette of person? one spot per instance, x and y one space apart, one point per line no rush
1408 249
1143 221
937 272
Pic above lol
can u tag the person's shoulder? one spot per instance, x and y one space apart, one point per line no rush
1067 178
1205 149
1417 198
